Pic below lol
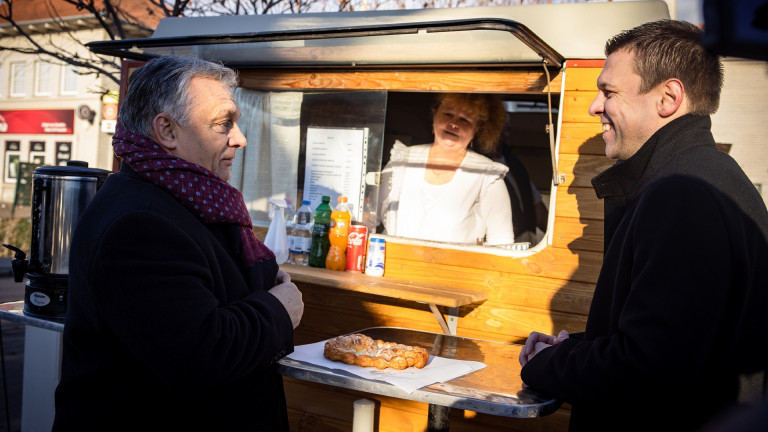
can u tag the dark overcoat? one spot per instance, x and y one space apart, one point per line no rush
165 328
679 316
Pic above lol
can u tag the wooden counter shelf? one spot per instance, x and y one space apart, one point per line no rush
432 295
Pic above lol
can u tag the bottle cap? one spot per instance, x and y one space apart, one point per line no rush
306 202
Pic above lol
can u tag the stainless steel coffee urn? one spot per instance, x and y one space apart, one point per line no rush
59 196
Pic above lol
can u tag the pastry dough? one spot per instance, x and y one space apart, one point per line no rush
361 350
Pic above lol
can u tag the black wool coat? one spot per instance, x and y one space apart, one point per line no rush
680 310
165 329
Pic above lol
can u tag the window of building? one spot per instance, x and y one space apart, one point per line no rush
37 152
12 159
18 79
63 152
69 78
43 75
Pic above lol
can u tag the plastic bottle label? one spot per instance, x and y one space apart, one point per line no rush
302 244
320 229
291 242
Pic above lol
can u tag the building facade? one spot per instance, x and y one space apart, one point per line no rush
739 124
50 110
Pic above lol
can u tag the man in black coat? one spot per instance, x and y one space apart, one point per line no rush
177 314
678 326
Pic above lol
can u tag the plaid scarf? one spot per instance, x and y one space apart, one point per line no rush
202 192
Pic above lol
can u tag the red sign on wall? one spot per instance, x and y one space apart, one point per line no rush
37 121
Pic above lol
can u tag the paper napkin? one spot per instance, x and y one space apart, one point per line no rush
439 369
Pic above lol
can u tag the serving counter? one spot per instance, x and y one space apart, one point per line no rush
431 294
495 389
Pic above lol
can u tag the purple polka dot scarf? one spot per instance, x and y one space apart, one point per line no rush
202 192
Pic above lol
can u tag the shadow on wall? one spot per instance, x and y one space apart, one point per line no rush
587 247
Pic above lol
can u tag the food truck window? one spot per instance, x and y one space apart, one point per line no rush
524 147
305 144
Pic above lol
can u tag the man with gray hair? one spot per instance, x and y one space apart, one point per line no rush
177 313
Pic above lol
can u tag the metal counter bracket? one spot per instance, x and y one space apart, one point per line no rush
448 326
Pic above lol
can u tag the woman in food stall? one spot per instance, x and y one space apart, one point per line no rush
447 191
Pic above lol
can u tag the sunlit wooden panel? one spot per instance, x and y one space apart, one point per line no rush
580 169
582 138
578 202
534 81
576 234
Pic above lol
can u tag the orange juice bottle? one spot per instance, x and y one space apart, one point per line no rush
340 221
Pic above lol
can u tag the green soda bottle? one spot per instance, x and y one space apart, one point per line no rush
320 242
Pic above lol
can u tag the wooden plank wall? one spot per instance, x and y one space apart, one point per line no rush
548 291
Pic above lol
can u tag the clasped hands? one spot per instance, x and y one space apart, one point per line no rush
290 297
537 342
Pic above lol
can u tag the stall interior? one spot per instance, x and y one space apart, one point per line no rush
305 144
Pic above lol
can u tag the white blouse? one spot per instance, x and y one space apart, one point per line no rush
472 206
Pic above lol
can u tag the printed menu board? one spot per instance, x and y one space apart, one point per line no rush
335 166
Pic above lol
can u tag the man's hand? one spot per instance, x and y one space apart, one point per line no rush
290 296
537 342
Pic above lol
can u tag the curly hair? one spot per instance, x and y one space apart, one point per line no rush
490 114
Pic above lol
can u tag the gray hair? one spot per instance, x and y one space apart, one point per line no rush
161 86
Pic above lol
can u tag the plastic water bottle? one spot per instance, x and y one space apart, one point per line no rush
290 214
369 215
320 241
302 234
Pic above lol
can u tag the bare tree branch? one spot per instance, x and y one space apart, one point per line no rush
179 6
113 18
110 16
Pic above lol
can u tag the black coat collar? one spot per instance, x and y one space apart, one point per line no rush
626 178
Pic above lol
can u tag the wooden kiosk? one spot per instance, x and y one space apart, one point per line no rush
377 72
